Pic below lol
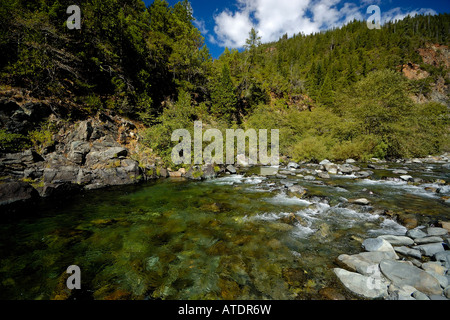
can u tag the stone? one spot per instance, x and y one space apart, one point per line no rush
350 161
408 252
16 191
331 168
444 258
400 172
378 244
406 178
436 231
362 201
231 169
175 174
445 225
428 240
310 178
401 273
364 262
430 249
324 162
442 279
420 295
297 190
364 174
323 175
346 168
403 292
447 292
361 285
437 297
397 240
293 165
416 233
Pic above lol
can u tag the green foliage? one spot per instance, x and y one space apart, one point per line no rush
42 137
11 142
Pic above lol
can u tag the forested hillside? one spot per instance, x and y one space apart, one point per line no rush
348 92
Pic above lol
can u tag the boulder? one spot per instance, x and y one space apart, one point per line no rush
401 273
323 175
363 262
430 249
420 295
416 233
397 240
428 240
331 168
408 252
363 286
378 244
362 201
406 178
231 169
434 231
16 191
293 165
444 258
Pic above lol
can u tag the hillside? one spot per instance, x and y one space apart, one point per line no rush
347 92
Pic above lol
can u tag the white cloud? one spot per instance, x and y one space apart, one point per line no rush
399 14
273 18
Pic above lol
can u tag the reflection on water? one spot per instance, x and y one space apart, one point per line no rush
236 237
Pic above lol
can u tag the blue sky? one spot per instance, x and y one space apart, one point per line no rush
227 23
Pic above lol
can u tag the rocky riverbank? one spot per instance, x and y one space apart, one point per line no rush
414 266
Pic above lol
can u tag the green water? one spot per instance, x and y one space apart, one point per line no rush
235 237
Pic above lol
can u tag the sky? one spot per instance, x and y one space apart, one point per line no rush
227 23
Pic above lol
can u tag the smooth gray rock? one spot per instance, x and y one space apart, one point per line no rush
400 171
442 279
398 240
447 292
428 240
378 244
408 252
16 191
401 273
444 258
366 287
430 249
293 165
437 297
231 169
363 262
416 233
436 231
406 178
420 295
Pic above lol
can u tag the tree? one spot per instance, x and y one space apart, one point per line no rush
223 95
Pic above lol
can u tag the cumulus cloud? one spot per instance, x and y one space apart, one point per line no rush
274 18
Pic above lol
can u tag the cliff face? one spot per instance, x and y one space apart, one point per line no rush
436 56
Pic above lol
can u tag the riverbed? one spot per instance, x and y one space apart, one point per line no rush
242 236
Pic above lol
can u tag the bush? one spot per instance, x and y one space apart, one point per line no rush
12 142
